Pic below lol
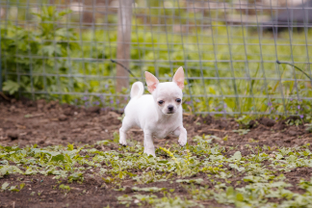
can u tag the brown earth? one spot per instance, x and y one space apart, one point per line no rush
28 122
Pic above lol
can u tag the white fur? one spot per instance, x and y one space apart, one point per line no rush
154 119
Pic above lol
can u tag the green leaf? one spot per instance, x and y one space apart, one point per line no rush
76 177
196 181
64 12
64 187
237 155
13 188
5 185
9 169
58 157
230 191
70 147
30 171
10 86
22 185
239 197
148 189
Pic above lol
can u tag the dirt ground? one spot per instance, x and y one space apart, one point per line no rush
38 122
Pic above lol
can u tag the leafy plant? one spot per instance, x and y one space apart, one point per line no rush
245 121
34 59
241 131
205 170
185 166
64 187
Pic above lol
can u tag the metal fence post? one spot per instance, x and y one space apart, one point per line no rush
123 43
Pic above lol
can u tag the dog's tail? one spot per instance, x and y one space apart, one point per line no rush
137 89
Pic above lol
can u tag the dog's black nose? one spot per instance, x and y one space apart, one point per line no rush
170 107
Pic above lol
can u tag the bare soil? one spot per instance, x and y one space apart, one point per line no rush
27 122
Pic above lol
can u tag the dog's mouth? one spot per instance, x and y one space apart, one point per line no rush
170 112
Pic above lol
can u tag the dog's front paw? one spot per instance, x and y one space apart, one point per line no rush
182 141
150 152
123 142
153 154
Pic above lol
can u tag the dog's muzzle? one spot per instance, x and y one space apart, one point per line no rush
170 109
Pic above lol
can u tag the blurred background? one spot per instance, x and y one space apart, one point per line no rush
238 55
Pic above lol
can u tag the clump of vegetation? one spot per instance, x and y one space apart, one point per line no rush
205 170
38 60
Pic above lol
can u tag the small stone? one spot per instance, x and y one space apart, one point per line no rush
252 124
64 138
53 192
267 122
103 186
62 118
41 142
78 130
30 104
293 133
95 120
128 190
24 137
272 155
13 136
94 109
65 105
136 201
68 112
12 108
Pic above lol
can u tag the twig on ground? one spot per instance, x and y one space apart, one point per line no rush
4 96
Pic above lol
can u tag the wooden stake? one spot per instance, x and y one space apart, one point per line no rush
123 43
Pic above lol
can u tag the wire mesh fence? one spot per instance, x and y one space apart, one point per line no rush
237 55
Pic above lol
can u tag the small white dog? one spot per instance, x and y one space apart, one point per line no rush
158 114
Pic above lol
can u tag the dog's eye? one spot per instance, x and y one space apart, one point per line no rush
178 100
160 102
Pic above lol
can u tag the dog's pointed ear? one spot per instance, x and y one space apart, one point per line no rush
178 78
151 82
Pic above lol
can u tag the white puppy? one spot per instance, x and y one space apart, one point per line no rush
158 114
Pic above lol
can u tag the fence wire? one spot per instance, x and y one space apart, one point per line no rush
238 55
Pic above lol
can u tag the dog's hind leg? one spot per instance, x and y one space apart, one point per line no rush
126 125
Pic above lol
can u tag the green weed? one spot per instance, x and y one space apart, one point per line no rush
257 177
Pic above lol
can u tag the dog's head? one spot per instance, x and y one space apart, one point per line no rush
167 95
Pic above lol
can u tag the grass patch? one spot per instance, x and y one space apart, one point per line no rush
205 170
